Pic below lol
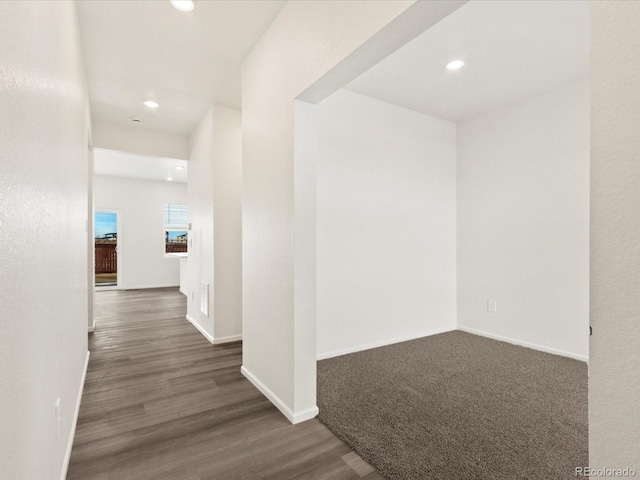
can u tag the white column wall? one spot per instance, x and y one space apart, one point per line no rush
227 221
304 42
215 214
200 196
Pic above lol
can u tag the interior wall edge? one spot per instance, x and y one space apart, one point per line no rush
148 287
200 328
361 348
293 416
522 343
227 339
72 433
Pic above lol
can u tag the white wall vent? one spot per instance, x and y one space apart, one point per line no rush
204 298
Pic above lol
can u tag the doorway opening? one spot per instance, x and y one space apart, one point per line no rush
451 194
106 248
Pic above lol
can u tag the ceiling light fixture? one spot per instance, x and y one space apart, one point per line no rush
151 103
179 167
169 179
455 65
183 5
135 119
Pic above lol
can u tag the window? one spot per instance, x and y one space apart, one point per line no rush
176 222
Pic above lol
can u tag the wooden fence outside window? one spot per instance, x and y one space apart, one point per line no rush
106 258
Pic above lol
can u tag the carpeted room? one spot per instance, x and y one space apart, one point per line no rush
452 226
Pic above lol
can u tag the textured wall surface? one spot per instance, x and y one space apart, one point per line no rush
43 239
304 42
141 244
386 223
523 221
215 213
200 196
227 223
614 378
138 140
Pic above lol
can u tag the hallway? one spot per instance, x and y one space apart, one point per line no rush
160 402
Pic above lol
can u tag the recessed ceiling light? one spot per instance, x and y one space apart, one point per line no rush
151 103
455 65
169 179
136 119
179 167
183 5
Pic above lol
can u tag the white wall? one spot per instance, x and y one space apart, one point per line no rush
215 213
523 221
91 251
319 44
141 242
200 196
614 382
304 42
386 223
43 213
227 223
138 140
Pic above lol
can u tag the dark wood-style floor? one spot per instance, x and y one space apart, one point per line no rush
160 402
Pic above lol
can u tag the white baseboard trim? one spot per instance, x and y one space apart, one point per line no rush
92 328
109 288
148 287
199 327
534 346
230 338
72 434
293 417
359 348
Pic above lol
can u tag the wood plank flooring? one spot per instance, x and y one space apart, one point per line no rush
160 402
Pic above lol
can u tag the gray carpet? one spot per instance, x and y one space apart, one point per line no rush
458 406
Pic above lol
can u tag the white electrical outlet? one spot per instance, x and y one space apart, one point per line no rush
492 306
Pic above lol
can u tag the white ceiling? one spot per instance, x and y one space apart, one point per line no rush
186 61
511 50
121 164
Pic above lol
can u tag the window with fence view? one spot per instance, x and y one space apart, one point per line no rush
176 222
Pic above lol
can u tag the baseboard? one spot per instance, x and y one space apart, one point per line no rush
110 288
230 338
534 346
199 327
72 434
293 417
92 328
149 287
383 343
